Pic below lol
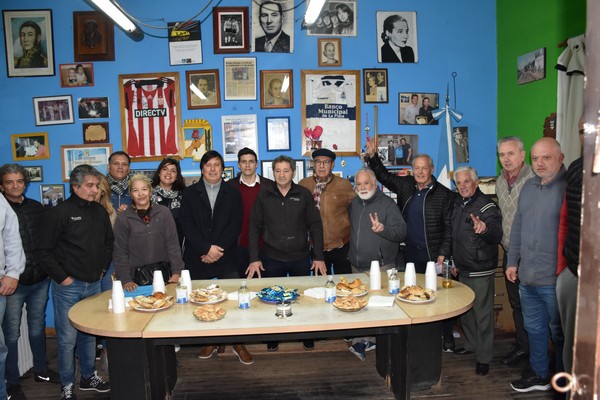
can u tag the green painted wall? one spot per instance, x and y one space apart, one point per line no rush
524 26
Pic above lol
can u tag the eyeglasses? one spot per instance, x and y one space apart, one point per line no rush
323 162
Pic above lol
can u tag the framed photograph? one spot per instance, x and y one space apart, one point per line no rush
92 107
151 125
278 134
29 43
51 195
276 89
95 132
240 78
330 52
93 36
375 85
30 146
191 177
460 144
53 110
230 30
76 75
273 26
239 131
197 138
266 168
397 30
203 89
228 173
531 66
416 108
338 18
35 173
331 111
94 155
148 172
185 43
397 150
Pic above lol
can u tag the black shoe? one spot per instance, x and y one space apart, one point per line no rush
67 392
449 346
308 345
530 384
461 351
14 392
514 357
94 382
482 369
272 346
48 376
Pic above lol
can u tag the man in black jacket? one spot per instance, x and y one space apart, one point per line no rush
32 287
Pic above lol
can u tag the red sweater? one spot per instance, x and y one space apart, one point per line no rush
249 194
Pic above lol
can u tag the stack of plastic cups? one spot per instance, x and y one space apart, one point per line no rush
410 275
158 282
118 298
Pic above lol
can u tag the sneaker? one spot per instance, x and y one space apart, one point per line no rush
244 355
358 349
67 392
371 345
207 352
514 357
530 384
448 346
308 345
48 376
461 351
94 382
272 346
15 392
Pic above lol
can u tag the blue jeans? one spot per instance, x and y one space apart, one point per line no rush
3 350
68 339
541 318
36 298
106 282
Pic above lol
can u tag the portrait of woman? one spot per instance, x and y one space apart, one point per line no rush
345 17
398 37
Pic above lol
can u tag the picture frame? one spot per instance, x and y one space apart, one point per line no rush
278 20
52 194
531 67
95 132
30 146
76 75
95 155
331 110
93 107
93 36
185 42
191 177
239 131
278 134
197 138
331 10
40 62
149 173
391 155
240 78
53 110
231 30
409 51
410 105
228 173
162 112
266 168
330 52
276 88
375 85
35 173
460 144
203 89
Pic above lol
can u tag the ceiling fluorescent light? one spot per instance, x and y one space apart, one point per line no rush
313 11
116 13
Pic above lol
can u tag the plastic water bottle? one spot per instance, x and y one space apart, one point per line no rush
330 295
447 275
181 292
394 282
243 296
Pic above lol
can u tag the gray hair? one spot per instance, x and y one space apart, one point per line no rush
368 171
516 139
468 169
79 174
13 169
286 159
423 155
140 177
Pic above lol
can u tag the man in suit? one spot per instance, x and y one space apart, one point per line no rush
275 39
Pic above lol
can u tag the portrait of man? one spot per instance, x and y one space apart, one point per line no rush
274 22
461 144
206 93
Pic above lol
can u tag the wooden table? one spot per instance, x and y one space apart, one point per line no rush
142 358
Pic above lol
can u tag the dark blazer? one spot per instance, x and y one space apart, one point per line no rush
388 54
282 45
204 227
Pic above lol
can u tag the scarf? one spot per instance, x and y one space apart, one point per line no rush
144 214
159 193
119 187
320 186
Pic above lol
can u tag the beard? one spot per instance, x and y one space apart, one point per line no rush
367 195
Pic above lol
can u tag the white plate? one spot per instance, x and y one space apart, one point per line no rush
431 300
142 309
223 297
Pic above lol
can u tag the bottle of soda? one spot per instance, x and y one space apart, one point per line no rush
447 274
330 294
243 296
394 282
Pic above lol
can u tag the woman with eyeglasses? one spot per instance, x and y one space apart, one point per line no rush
167 188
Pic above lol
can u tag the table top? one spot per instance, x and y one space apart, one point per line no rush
92 315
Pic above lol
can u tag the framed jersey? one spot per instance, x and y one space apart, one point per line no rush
151 115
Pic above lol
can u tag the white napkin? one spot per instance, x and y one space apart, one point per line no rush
234 296
381 301
315 292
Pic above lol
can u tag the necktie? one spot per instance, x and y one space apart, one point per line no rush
268 46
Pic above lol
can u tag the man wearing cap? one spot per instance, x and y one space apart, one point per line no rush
332 196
